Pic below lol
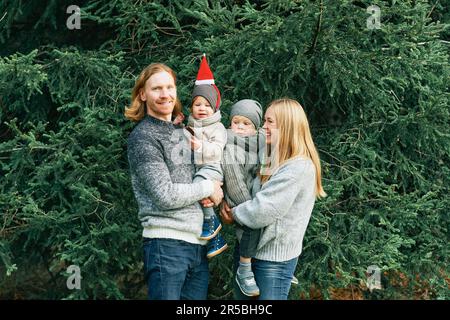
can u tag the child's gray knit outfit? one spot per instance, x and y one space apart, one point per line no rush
207 159
239 165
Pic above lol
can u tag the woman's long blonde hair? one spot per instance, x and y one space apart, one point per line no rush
294 138
137 110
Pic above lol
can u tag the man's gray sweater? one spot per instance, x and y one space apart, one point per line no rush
162 182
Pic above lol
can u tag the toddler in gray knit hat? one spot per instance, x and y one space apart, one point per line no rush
240 163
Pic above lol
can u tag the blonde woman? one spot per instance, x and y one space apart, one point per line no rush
283 198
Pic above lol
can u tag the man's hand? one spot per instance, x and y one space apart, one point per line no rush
207 203
217 195
225 213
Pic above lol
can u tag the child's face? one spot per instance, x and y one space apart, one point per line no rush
201 108
242 126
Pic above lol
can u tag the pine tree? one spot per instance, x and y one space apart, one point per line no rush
377 100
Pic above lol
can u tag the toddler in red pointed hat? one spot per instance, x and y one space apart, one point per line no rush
207 142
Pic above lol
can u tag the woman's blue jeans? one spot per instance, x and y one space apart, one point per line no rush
175 270
273 278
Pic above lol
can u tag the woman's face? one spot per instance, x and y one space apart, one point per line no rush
201 108
270 126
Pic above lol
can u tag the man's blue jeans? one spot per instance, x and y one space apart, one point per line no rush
175 270
273 278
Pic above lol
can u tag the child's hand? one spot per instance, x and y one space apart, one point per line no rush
178 119
195 143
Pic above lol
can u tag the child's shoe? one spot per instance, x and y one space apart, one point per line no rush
294 280
246 282
215 246
211 228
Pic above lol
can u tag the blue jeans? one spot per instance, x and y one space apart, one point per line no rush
175 270
272 278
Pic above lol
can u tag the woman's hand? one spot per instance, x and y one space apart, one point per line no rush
225 213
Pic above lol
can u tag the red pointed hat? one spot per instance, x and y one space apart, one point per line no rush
205 77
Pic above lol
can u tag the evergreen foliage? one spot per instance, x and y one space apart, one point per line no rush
377 101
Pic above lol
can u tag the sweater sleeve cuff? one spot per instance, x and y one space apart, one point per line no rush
236 219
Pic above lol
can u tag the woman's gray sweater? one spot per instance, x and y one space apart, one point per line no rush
282 207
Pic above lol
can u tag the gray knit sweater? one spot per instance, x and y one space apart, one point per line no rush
239 166
282 207
162 182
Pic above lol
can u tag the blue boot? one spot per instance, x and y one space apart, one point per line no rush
215 246
211 228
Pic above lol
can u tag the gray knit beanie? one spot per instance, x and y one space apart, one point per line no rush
208 92
248 108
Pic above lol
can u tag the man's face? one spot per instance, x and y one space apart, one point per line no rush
160 94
